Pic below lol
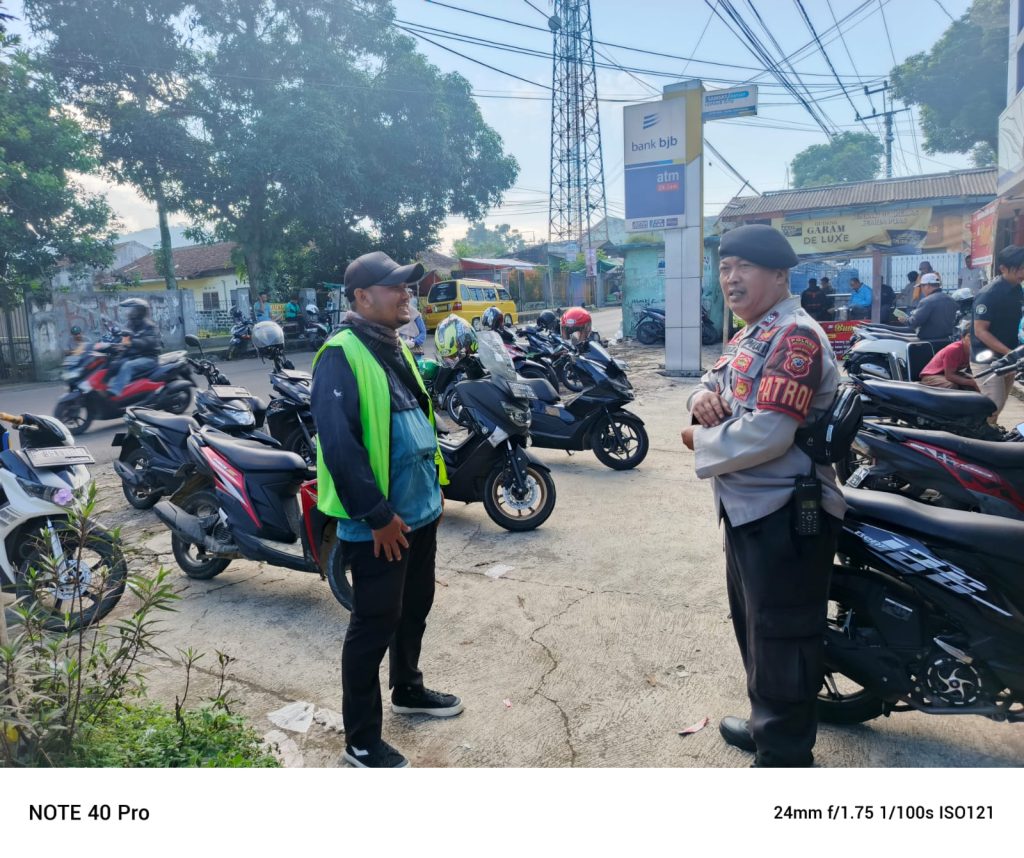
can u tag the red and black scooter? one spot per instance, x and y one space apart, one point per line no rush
245 500
168 387
940 468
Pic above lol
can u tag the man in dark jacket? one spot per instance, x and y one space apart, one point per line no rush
143 340
379 472
813 300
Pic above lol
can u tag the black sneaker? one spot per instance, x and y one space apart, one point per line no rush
411 700
381 756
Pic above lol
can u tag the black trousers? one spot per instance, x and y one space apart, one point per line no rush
778 593
390 603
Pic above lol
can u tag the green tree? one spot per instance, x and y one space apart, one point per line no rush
848 157
125 64
959 85
45 217
323 124
488 243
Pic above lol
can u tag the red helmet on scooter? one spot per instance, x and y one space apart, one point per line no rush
577 324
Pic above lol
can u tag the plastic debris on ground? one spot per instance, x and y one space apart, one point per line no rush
297 716
695 728
507 702
329 720
285 749
498 570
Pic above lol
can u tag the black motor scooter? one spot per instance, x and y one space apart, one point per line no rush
153 452
926 613
491 463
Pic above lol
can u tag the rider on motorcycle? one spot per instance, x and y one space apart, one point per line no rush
142 339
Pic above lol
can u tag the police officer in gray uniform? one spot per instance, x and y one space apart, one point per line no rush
782 513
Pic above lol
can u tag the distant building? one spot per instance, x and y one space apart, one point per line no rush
83 279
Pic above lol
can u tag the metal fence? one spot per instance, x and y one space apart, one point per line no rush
16 358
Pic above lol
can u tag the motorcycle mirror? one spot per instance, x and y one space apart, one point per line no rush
191 340
984 356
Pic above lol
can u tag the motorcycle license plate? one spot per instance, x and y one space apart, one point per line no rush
59 457
227 391
857 477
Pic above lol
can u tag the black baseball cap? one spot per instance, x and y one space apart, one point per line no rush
378 269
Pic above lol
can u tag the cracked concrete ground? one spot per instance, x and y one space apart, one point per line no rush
608 635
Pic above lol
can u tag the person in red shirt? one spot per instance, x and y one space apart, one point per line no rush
949 366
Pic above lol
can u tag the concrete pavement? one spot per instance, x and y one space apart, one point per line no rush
589 642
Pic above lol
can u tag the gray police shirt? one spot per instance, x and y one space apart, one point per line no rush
776 375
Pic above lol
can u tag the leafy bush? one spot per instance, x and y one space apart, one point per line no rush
144 736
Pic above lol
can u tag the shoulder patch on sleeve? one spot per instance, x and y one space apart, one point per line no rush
792 374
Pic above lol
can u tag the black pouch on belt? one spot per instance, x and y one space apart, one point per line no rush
807 506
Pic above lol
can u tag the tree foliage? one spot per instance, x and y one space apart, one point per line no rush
480 241
45 216
848 157
304 130
959 85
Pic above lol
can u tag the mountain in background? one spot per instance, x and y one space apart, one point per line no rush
151 237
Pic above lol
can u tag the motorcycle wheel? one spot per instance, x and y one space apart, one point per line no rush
139 498
296 443
193 560
570 377
508 321
180 402
86 590
634 447
231 352
453 407
519 515
340 577
842 701
76 416
648 332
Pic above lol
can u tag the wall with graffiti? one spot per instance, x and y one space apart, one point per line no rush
50 324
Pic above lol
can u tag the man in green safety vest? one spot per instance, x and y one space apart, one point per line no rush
380 472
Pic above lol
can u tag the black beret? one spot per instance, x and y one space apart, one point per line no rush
760 244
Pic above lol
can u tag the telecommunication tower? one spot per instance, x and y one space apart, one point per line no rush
577 167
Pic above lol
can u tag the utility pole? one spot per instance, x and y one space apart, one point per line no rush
887 115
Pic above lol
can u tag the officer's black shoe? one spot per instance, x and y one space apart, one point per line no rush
416 700
736 731
379 756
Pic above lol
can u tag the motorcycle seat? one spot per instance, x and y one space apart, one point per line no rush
295 375
180 423
918 397
172 357
252 455
999 454
983 534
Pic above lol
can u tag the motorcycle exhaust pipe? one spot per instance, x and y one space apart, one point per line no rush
129 476
189 528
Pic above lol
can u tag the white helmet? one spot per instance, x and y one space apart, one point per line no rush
963 294
312 309
267 334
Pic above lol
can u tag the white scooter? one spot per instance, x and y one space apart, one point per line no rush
76 581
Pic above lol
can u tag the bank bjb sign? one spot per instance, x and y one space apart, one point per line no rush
655 165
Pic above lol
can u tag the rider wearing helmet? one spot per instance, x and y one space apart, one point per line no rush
78 341
143 344
577 325
454 335
493 319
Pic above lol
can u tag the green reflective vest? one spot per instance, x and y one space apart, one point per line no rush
375 415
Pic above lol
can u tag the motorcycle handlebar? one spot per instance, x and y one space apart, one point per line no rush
14 419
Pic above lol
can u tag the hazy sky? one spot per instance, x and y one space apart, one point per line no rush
759 147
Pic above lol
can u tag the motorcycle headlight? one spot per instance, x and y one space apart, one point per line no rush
517 414
521 391
59 495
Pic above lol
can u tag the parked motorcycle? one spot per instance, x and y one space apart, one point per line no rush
558 352
289 416
76 583
490 463
169 387
153 449
243 499
240 345
893 355
938 468
926 613
650 327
